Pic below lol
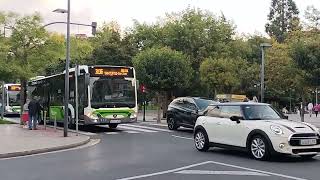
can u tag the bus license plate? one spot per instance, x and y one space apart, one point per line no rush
115 121
308 142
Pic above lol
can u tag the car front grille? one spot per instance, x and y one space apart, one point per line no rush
297 151
295 138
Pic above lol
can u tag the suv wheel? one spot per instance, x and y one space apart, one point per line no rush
201 140
259 148
172 124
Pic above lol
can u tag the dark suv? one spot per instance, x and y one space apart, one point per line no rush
184 111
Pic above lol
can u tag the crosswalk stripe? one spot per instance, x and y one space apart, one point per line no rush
132 132
136 129
110 133
148 127
162 125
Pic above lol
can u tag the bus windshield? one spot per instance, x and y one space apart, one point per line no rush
14 97
112 92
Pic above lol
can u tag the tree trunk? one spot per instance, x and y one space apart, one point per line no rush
159 107
165 104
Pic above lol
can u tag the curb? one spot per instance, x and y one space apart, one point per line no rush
44 150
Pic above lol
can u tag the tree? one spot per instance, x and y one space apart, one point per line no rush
111 49
283 18
282 74
162 70
196 33
312 16
28 44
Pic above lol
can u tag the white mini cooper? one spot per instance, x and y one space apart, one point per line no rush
256 128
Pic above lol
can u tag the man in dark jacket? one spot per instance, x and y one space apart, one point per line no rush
34 109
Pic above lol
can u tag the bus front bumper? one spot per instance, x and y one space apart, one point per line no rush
88 121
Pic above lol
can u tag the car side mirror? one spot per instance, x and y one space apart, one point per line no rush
286 117
236 119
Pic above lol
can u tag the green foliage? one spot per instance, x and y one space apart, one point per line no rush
283 18
163 69
227 75
194 32
111 49
304 49
282 75
5 122
312 16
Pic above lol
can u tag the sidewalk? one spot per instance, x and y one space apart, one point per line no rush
18 141
312 120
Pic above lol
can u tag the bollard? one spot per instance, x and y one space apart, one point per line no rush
44 120
55 123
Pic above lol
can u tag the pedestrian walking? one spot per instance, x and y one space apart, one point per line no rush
310 108
34 109
25 114
316 109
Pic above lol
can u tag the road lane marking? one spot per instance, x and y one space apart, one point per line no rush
259 171
182 137
165 172
162 125
132 132
211 162
235 173
136 129
147 127
111 133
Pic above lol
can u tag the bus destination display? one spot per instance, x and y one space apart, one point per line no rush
111 72
14 88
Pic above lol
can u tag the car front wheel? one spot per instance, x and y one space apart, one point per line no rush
172 124
201 140
259 148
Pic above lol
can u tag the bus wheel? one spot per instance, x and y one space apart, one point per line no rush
113 126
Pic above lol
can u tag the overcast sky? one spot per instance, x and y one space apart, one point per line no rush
249 16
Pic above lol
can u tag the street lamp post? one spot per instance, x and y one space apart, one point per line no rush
66 86
263 46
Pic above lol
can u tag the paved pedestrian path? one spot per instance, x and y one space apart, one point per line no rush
312 120
18 141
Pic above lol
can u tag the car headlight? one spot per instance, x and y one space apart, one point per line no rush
276 129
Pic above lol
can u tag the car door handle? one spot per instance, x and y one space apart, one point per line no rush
218 123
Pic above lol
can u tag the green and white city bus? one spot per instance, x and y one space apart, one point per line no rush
107 95
11 99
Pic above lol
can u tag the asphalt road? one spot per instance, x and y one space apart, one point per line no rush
144 151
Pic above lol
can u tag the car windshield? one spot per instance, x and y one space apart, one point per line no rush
260 112
203 103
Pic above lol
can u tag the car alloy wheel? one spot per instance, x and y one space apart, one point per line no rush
201 140
172 124
258 148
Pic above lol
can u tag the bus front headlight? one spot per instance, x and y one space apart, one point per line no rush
133 115
93 116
